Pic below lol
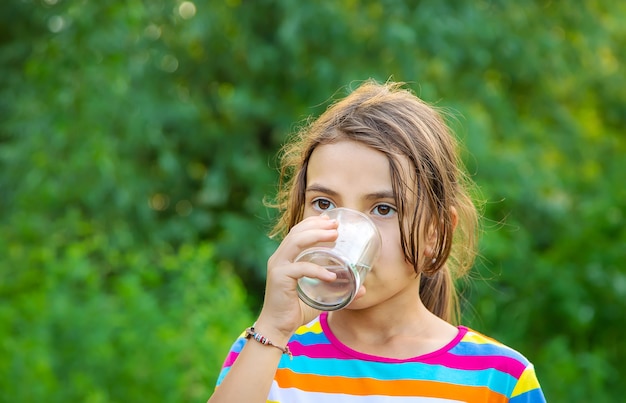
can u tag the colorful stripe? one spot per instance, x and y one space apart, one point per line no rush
471 368
368 386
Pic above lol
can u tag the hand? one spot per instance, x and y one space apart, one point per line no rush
283 312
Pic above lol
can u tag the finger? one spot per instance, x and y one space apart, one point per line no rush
314 222
303 238
311 270
309 238
292 246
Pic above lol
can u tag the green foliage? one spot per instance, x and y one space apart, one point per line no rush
137 143
88 322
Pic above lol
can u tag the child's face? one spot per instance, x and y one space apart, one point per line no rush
353 175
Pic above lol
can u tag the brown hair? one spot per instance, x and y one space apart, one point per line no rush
394 121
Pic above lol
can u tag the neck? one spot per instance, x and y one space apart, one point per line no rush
380 321
397 333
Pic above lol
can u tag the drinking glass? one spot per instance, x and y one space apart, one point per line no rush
351 257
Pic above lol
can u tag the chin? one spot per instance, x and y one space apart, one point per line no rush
358 304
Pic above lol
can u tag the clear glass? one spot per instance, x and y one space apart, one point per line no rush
351 257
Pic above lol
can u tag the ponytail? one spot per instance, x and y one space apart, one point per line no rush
438 294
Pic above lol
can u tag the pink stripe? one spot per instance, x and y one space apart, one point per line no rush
323 318
337 350
504 364
318 351
230 359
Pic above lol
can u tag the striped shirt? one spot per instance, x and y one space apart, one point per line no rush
471 368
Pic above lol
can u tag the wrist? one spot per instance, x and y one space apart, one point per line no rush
251 333
276 334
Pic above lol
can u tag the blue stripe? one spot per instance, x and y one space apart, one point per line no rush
532 396
497 381
238 345
309 338
222 375
469 348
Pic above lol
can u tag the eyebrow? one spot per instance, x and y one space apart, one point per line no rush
384 194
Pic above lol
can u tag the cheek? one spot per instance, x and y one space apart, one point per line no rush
391 251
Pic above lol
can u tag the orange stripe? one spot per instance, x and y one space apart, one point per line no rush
368 386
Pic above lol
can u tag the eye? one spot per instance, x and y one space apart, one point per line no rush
322 204
384 210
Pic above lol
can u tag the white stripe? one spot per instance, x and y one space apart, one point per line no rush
296 395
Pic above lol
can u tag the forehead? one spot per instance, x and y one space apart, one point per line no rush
354 166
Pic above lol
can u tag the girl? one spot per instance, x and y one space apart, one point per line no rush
383 152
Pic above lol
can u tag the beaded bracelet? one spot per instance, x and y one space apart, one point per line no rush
250 333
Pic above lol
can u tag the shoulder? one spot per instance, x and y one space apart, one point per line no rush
476 343
485 353
480 352
309 336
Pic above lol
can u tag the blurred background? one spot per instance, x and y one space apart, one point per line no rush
138 141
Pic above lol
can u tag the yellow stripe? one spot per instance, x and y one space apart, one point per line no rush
479 338
314 327
528 381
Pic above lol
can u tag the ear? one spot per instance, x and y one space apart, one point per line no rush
431 239
454 216
429 250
